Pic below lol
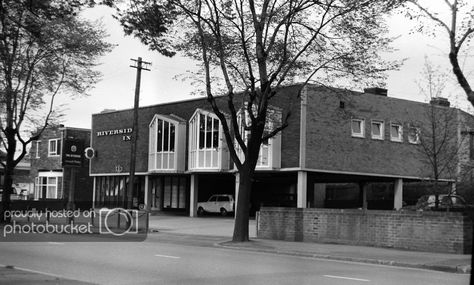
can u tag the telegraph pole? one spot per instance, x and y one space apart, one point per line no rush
133 149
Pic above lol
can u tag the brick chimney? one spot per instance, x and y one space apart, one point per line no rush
440 101
376 91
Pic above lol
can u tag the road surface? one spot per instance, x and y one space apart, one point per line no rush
166 258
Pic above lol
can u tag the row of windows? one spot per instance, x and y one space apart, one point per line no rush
206 149
54 148
204 142
377 131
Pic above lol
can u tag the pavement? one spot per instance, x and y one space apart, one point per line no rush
223 227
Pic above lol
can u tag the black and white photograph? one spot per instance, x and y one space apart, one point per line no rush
236 142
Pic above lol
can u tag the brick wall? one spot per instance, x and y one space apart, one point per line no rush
330 145
44 161
465 184
109 159
420 231
83 183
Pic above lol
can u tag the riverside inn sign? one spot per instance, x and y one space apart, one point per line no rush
124 132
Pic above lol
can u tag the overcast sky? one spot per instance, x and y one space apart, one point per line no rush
116 90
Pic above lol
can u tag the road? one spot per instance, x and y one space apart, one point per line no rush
166 258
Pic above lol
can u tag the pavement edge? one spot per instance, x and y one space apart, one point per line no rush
461 269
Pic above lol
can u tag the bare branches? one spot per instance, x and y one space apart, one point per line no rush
431 15
459 29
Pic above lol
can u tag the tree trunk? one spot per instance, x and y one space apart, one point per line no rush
8 175
7 191
241 224
453 58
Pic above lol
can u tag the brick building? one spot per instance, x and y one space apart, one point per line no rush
342 148
60 169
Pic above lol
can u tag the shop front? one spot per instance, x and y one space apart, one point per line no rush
168 193
111 191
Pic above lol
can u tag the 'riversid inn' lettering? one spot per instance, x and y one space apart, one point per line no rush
114 132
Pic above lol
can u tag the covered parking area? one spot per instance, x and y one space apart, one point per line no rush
310 189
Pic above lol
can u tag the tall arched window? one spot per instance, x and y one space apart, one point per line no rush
270 149
205 146
164 143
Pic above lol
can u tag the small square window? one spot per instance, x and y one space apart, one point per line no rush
396 132
357 127
377 130
414 135
54 147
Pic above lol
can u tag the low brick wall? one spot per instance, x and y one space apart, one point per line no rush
422 231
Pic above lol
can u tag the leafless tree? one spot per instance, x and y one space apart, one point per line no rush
250 49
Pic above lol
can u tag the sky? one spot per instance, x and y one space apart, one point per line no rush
117 88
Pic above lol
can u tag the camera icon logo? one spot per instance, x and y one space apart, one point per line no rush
118 221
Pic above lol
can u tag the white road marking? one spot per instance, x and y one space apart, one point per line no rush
52 242
346 278
167 256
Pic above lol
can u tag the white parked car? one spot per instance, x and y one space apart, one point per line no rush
218 203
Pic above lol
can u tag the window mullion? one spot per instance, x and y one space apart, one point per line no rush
162 141
198 139
169 143
212 142
205 139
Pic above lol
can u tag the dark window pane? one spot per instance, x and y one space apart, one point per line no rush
201 130
58 147
166 136
215 139
394 131
356 127
209 132
472 146
209 139
376 129
172 135
52 146
215 134
159 146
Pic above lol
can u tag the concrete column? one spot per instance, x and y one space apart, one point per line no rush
237 182
93 192
398 194
193 195
303 128
363 186
319 195
147 193
301 189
